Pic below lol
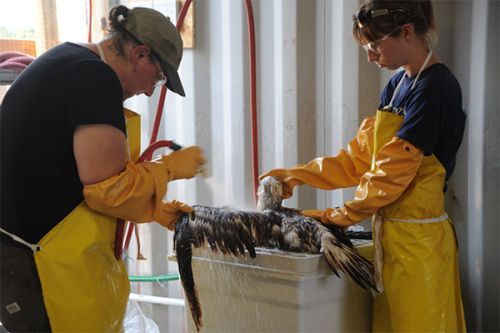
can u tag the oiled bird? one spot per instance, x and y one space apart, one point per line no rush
237 232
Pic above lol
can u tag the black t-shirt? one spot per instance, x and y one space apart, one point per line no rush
434 117
65 87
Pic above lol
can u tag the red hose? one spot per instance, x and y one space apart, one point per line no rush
253 97
159 112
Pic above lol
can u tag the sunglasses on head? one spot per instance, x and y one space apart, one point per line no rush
364 17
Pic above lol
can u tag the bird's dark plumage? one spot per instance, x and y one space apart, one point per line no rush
273 226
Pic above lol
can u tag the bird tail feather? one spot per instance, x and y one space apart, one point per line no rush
184 254
342 257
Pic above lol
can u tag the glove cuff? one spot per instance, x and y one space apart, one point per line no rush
169 166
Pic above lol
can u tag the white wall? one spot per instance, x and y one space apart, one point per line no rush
314 88
474 201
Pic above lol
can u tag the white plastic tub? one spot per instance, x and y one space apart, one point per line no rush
277 292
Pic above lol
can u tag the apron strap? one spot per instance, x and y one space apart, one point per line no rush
33 247
429 55
378 253
429 220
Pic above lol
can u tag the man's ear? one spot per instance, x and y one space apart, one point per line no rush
138 52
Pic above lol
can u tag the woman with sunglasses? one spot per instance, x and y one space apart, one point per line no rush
400 161
69 170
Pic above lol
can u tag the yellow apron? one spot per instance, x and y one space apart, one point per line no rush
85 288
415 251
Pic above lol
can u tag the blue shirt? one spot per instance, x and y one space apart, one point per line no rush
434 119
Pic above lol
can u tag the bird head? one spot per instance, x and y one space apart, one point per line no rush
269 194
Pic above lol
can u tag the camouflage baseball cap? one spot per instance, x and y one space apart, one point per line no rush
152 28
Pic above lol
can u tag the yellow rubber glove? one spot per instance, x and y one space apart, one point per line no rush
184 163
396 165
170 212
329 173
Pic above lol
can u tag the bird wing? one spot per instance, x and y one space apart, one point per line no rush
235 232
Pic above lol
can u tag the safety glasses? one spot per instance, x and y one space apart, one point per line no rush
374 46
364 17
162 78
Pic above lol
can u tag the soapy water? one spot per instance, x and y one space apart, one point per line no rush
216 189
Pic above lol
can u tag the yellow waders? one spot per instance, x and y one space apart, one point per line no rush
416 251
85 288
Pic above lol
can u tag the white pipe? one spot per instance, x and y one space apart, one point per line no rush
156 299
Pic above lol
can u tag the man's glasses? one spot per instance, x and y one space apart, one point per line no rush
364 17
374 46
162 78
